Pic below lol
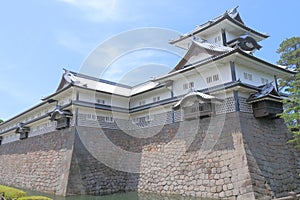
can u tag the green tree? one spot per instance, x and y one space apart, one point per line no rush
291 113
289 51
1 120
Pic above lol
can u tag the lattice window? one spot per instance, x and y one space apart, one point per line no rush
142 121
244 106
177 115
227 106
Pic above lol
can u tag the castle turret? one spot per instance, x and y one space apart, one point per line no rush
227 30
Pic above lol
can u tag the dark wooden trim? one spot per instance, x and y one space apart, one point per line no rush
77 95
224 39
172 90
233 72
99 106
236 100
76 117
276 82
173 116
209 60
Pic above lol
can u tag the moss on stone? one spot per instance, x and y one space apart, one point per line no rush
34 198
11 193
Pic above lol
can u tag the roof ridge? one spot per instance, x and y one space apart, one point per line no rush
232 15
81 75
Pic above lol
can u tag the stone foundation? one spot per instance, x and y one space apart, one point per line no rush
40 163
274 165
232 156
88 175
214 165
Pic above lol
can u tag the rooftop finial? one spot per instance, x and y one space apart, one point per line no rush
233 10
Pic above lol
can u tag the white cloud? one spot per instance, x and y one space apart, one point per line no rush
96 10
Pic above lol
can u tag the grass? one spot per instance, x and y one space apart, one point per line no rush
13 193
34 198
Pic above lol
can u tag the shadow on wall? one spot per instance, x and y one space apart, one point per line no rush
88 175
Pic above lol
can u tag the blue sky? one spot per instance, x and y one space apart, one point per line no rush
39 38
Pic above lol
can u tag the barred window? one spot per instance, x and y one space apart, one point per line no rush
155 99
109 119
188 85
91 116
216 77
142 102
212 78
101 101
248 76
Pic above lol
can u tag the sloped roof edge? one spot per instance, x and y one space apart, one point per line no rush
238 21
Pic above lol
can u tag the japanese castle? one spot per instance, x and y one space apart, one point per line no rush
207 128
218 74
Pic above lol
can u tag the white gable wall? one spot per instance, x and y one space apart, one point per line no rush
97 97
215 38
230 36
178 84
200 79
118 101
256 76
198 57
162 93
223 71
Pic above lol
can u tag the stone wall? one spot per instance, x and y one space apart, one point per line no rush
232 156
39 163
204 158
212 165
274 165
88 173
250 159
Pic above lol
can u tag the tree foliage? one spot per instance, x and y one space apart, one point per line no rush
1 120
291 114
289 51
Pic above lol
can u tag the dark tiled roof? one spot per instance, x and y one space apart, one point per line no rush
267 90
231 15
